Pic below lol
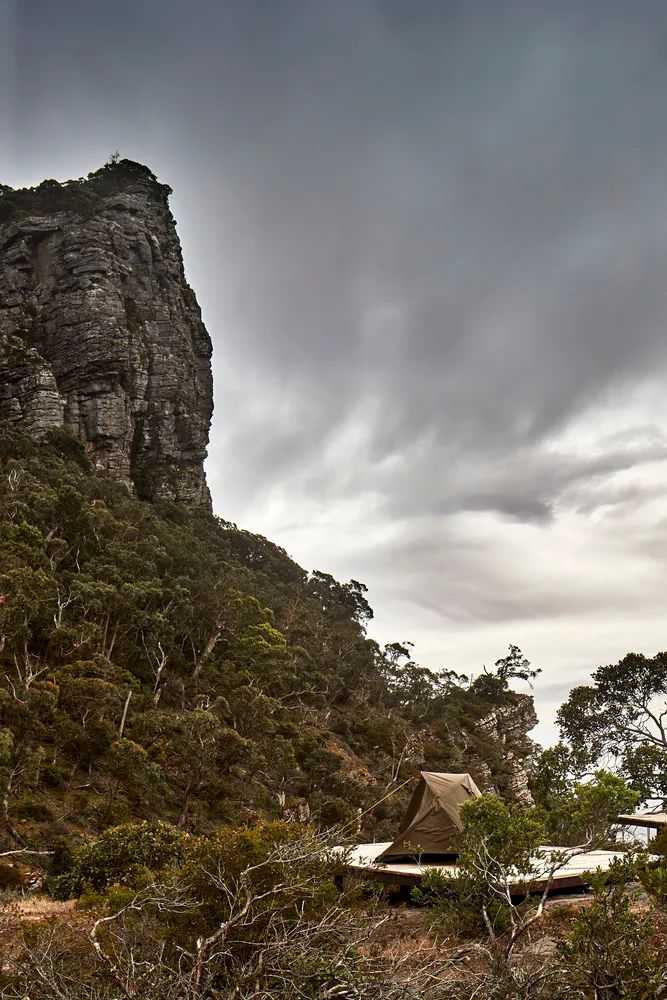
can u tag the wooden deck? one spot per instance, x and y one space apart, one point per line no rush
653 821
362 865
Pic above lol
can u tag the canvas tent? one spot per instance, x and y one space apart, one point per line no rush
433 817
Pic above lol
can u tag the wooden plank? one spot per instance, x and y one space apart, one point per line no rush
652 820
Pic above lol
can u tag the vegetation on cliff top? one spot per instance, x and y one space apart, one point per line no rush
82 196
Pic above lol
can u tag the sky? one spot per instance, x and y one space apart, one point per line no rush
429 239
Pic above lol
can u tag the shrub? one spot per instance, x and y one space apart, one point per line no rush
612 950
30 809
336 811
658 845
54 775
120 853
69 446
453 916
260 858
10 877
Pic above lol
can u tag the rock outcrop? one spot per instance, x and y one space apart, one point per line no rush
100 333
509 725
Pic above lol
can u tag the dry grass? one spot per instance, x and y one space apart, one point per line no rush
405 937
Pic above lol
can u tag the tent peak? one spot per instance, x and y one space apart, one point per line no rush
445 774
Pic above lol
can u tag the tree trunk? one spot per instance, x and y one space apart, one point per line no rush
121 728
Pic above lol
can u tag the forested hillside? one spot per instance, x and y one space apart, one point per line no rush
157 663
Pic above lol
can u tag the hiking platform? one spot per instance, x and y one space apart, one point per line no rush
362 864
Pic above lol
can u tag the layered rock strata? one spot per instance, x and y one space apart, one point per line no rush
100 332
510 725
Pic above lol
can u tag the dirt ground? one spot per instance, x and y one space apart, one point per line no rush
34 908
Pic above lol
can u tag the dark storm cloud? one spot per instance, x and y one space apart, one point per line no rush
427 237
457 212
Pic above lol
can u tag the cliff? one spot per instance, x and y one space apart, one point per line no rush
100 333
509 725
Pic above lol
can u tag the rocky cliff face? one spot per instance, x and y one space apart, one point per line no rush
100 332
510 724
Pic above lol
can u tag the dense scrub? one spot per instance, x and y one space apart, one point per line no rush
161 664
82 196
251 913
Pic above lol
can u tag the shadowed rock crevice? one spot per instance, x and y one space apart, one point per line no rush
100 332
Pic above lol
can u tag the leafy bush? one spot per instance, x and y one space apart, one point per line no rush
30 809
452 914
250 914
120 853
658 844
613 950
577 811
54 775
10 877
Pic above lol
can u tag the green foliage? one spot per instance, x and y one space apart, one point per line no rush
580 811
552 776
30 809
120 853
70 447
621 716
499 859
612 950
653 877
507 835
161 663
249 913
340 600
82 197
453 913
586 813
514 666
254 857
658 844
